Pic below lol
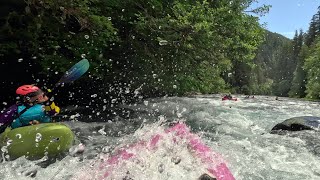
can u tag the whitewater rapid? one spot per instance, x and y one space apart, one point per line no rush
237 130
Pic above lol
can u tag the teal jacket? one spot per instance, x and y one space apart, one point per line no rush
35 112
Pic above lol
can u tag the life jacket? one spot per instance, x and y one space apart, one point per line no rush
35 112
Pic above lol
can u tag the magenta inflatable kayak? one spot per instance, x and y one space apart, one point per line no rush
130 158
232 99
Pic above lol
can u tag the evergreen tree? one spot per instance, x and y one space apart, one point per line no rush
299 81
312 67
312 31
272 56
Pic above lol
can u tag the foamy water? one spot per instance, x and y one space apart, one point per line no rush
238 131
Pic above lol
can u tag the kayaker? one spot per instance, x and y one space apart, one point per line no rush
30 110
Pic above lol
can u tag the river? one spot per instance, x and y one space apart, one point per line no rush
237 130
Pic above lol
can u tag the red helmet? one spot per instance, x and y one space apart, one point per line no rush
26 89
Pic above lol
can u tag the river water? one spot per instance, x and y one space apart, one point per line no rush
237 130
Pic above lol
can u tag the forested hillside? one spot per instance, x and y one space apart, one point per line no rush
289 67
267 72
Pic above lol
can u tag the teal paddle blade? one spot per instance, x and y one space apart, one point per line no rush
75 72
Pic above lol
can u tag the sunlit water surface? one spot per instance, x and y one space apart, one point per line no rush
237 130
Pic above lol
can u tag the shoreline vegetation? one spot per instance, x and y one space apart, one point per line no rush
141 49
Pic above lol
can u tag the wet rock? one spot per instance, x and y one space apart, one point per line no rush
206 177
297 124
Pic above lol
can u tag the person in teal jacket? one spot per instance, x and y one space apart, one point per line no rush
32 108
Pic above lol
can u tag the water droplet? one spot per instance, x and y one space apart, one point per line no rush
38 137
86 36
18 136
102 132
55 139
163 42
4 149
9 141
161 168
20 60
176 160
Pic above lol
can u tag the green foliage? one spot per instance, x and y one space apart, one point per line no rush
305 82
281 88
181 38
312 64
55 31
299 81
159 47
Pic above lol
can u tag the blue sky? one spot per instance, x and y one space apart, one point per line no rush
286 16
